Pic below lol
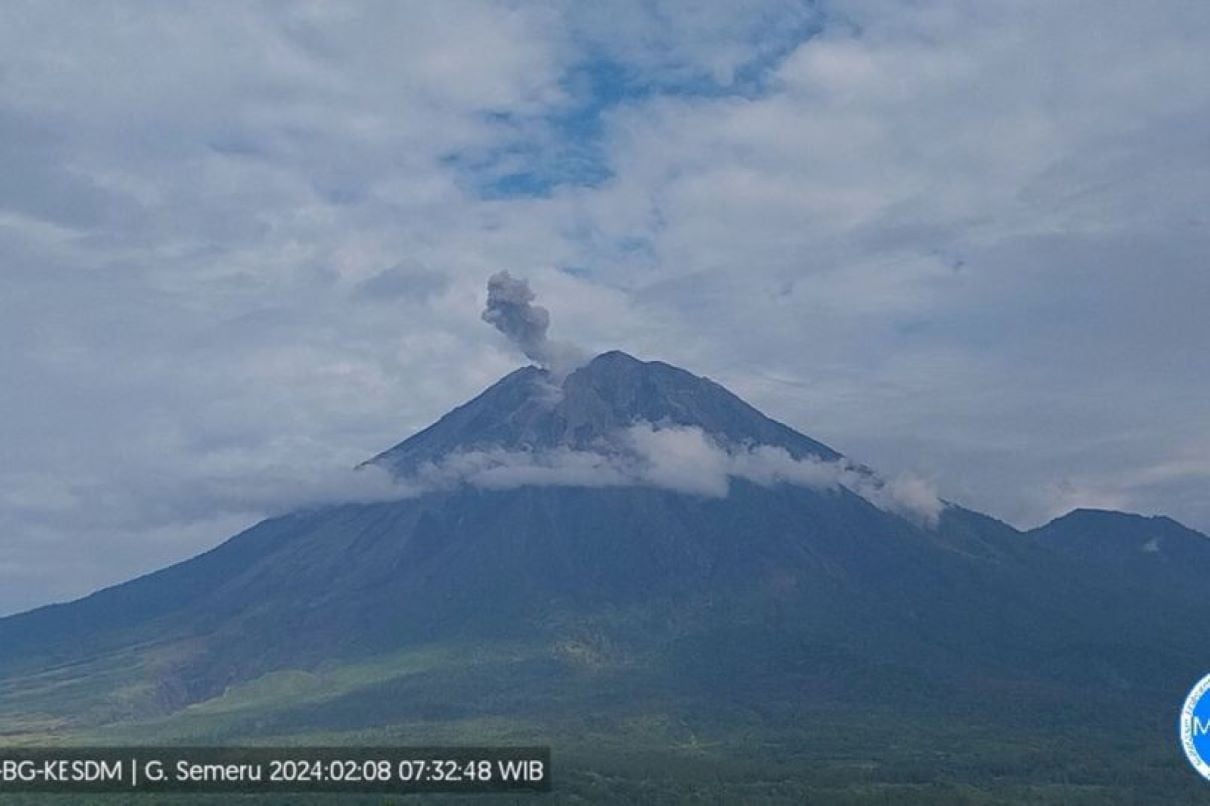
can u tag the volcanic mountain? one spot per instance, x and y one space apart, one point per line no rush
539 594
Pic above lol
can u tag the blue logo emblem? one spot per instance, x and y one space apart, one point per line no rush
1195 727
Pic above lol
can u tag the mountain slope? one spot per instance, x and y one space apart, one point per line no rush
527 409
559 600
1155 553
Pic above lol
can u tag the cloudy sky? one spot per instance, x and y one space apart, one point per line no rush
242 244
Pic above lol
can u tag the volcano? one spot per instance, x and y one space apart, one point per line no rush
552 606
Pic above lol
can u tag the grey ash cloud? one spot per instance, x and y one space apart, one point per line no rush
511 310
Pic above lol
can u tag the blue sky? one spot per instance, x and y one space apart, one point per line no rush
243 244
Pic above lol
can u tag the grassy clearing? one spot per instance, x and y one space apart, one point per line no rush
629 743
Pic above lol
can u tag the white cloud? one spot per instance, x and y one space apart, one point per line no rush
944 235
678 458
681 459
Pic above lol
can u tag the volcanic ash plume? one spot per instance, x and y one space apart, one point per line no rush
510 310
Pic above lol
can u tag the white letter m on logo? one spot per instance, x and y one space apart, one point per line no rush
1200 728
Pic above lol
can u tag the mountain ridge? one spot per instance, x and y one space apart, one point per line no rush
530 408
771 583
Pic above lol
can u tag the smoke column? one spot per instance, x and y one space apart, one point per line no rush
510 310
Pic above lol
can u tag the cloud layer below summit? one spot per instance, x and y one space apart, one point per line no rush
677 458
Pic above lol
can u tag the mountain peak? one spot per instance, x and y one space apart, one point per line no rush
1093 516
616 366
1158 548
531 409
616 357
